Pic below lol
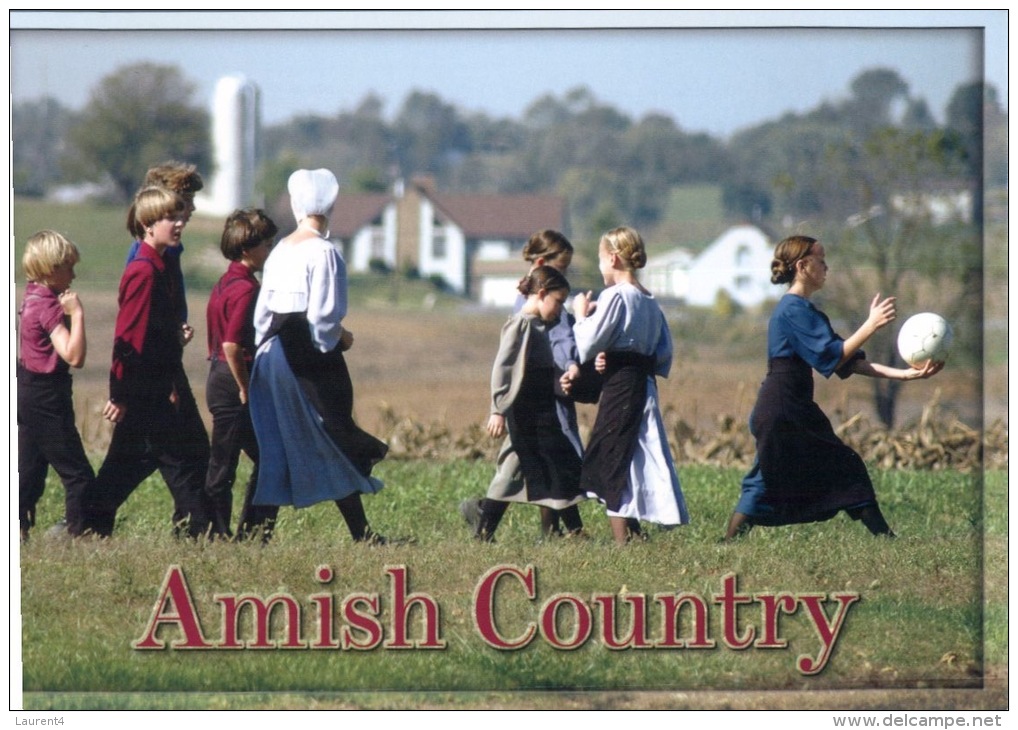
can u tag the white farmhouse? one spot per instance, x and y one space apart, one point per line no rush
737 262
474 243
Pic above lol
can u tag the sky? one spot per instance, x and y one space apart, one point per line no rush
711 71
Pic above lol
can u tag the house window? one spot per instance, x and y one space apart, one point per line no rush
438 243
378 243
742 256
743 282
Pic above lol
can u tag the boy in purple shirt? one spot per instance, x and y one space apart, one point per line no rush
51 339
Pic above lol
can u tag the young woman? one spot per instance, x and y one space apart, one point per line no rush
803 472
301 396
628 464
523 405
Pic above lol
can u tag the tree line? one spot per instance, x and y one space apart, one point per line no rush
608 166
871 173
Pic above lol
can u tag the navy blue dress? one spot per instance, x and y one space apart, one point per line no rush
803 472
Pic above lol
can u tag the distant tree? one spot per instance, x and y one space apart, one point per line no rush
880 195
918 116
273 175
777 167
875 94
429 134
366 180
136 117
38 134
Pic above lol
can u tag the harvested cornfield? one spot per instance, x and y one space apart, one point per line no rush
933 443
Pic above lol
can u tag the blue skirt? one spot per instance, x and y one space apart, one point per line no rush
300 464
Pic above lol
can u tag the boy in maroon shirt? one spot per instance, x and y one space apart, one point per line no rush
51 339
247 239
154 429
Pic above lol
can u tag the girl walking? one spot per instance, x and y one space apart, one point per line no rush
523 382
803 472
551 248
628 465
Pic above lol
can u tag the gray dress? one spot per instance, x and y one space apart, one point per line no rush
538 463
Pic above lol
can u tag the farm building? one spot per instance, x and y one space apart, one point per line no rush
473 242
737 262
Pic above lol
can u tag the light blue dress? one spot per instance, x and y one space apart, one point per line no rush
626 320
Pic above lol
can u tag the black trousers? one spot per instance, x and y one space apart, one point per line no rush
155 434
48 437
232 433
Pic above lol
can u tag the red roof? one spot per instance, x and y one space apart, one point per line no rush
479 215
353 212
513 216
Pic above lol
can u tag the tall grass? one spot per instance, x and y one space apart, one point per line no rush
919 623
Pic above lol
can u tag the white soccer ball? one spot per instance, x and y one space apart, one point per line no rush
925 336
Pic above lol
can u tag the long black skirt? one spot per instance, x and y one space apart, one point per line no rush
548 460
803 471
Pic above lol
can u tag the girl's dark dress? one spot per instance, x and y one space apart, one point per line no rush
803 472
523 390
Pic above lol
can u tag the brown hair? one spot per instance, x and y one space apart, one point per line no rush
543 277
786 254
150 205
627 244
180 177
546 244
245 229
45 252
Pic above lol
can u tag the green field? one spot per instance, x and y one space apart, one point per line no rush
926 623
929 630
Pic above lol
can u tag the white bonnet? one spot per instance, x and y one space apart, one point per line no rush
312 192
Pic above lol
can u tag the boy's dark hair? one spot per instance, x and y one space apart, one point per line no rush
180 177
245 229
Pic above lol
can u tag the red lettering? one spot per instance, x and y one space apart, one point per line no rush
582 622
233 605
773 605
729 601
402 603
637 637
183 615
484 606
672 604
364 623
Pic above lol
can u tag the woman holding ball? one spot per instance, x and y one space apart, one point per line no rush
803 472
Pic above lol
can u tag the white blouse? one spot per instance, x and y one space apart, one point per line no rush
309 277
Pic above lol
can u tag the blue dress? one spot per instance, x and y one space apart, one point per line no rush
803 472
301 397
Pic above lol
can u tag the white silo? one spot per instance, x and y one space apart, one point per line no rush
236 111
